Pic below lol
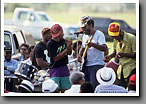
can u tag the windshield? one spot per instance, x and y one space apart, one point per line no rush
43 17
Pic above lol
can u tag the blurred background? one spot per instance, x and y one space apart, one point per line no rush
70 13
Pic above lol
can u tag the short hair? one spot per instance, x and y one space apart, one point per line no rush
75 44
25 45
30 48
91 22
75 77
86 87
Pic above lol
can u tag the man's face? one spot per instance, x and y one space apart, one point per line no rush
118 38
8 55
47 36
23 50
61 35
86 29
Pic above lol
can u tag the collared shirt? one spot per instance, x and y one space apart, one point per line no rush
128 46
110 89
12 65
74 89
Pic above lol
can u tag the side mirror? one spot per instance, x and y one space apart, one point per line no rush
31 18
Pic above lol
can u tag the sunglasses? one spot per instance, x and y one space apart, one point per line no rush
23 49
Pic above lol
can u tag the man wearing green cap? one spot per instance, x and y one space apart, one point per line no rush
125 50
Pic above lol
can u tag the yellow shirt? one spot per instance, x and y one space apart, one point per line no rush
128 46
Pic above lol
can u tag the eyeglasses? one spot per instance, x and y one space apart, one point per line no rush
23 49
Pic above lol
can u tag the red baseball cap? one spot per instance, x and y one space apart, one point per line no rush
132 79
114 29
56 30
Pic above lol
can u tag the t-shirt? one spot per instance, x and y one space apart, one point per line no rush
54 48
40 52
94 56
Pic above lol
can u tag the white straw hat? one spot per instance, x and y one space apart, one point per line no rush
49 86
106 76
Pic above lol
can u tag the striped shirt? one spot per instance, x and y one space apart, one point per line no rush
110 89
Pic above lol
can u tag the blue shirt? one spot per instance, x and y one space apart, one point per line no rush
12 65
110 89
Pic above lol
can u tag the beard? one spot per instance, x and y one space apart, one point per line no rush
87 32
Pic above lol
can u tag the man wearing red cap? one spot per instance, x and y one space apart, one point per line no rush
58 50
125 50
40 58
132 84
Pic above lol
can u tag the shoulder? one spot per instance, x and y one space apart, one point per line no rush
131 36
14 61
99 33
51 43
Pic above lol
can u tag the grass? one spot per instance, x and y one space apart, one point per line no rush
73 17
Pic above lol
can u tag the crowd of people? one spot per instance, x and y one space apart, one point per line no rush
92 70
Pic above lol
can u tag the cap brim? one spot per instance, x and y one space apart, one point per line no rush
113 33
83 25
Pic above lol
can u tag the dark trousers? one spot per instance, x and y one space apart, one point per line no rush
90 74
124 81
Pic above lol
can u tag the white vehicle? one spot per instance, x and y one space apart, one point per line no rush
34 21
14 37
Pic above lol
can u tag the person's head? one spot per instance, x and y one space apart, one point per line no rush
24 48
106 76
87 25
86 87
57 32
75 45
46 34
77 78
132 83
8 53
49 86
115 31
30 51
26 87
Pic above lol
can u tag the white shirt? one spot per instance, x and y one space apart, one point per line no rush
73 89
94 56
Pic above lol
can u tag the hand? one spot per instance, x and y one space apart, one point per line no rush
120 54
107 58
68 44
89 44
79 59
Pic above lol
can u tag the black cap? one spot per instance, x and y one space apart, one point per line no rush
7 48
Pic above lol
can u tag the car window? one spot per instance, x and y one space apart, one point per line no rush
43 17
8 41
19 37
23 15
